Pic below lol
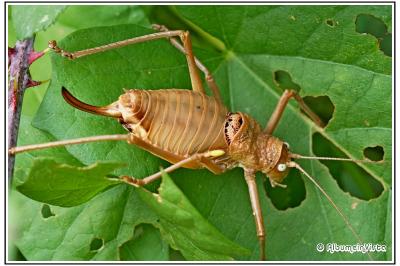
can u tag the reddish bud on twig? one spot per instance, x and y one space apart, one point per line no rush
11 55
33 83
33 56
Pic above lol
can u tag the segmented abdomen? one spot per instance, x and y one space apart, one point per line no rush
183 122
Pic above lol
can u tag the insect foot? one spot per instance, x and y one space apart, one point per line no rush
132 181
53 46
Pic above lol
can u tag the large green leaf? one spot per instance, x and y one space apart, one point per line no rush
184 227
31 19
65 185
45 232
69 233
253 43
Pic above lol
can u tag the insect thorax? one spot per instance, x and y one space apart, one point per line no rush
253 149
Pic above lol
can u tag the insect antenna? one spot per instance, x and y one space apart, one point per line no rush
298 156
344 217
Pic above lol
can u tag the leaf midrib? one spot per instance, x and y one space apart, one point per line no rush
229 54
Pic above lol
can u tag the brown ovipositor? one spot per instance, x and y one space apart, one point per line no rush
193 130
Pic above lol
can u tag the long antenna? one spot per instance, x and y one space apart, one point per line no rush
344 217
15 150
298 156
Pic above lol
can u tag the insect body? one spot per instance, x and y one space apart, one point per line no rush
172 124
193 130
181 132
175 124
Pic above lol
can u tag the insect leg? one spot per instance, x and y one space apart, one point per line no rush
195 157
77 54
283 101
208 76
15 150
255 205
183 35
194 75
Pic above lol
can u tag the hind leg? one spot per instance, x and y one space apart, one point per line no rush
183 35
255 205
280 107
207 74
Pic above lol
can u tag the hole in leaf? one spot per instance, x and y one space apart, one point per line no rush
321 106
349 176
369 24
139 231
46 211
366 23
331 22
374 153
96 244
284 81
175 255
289 197
386 44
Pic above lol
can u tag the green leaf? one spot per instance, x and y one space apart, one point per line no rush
68 233
184 227
65 185
102 16
139 250
31 19
251 44
29 135
295 31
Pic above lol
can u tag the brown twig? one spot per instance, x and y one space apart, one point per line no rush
19 80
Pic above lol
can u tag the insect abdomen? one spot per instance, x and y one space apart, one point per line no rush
179 121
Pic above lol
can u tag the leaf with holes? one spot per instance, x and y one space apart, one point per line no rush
322 53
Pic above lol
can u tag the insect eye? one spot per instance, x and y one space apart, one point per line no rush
281 167
287 145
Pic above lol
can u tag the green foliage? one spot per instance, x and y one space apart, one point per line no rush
68 233
185 229
102 16
146 245
249 45
28 135
30 19
64 185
